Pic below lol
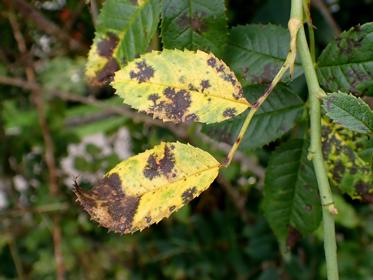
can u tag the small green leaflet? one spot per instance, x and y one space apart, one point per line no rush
349 111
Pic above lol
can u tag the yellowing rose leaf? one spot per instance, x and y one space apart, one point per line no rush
181 86
148 187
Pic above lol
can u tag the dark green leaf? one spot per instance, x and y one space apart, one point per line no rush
276 117
194 24
256 52
291 197
346 64
124 30
349 111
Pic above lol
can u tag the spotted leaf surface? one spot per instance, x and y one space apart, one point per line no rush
124 30
346 64
181 86
348 168
256 53
148 187
194 24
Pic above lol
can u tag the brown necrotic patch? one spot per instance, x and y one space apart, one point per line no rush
191 118
107 46
188 195
144 72
156 167
239 94
205 84
109 205
176 105
229 112
106 74
195 22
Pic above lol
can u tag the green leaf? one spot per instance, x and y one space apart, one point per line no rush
181 86
124 30
291 197
194 24
148 187
346 64
256 52
275 117
349 111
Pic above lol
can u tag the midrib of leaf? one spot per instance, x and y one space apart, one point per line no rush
188 175
299 177
262 54
130 23
187 89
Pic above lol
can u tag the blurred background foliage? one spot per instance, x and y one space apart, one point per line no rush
220 235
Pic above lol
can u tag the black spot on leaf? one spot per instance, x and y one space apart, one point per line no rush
211 62
106 74
191 118
144 72
229 113
155 167
106 46
195 22
205 84
188 195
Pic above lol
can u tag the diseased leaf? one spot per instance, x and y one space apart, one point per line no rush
148 187
349 111
256 52
194 24
124 30
343 150
275 117
346 64
181 86
291 198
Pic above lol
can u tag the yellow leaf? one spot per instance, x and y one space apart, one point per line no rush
148 187
181 86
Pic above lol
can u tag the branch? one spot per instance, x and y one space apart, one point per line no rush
29 12
320 5
37 98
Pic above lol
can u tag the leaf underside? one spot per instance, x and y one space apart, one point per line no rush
148 187
349 111
291 197
275 117
346 64
124 30
181 86
194 24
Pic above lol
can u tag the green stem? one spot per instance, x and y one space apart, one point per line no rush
315 153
